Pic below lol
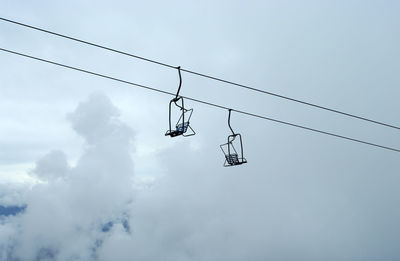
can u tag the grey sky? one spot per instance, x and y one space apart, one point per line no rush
103 157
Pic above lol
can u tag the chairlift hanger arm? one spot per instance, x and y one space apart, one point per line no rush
177 97
180 83
229 121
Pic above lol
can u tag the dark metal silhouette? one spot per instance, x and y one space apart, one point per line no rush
181 126
232 157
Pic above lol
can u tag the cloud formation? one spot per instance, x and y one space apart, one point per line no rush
95 210
66 214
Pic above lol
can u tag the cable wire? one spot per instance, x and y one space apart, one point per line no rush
204 75
200 101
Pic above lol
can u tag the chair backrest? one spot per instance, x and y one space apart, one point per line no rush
182 127
232 159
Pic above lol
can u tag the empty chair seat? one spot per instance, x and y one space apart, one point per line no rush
232 159
232 156
182 127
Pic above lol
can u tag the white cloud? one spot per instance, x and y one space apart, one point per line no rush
92 211
65 215
52 166
13 194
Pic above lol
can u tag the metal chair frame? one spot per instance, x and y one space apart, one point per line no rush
232 157
181 126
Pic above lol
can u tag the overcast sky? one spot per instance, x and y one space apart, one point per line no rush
89 159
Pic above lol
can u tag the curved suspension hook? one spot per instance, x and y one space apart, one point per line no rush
229 122
177 97
180 83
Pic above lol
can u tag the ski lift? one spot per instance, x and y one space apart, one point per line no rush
182 126
232 157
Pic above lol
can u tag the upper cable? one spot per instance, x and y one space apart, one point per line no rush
205 75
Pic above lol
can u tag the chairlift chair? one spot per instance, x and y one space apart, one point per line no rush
182 125
232 157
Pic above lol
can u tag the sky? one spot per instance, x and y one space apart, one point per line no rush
86 162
